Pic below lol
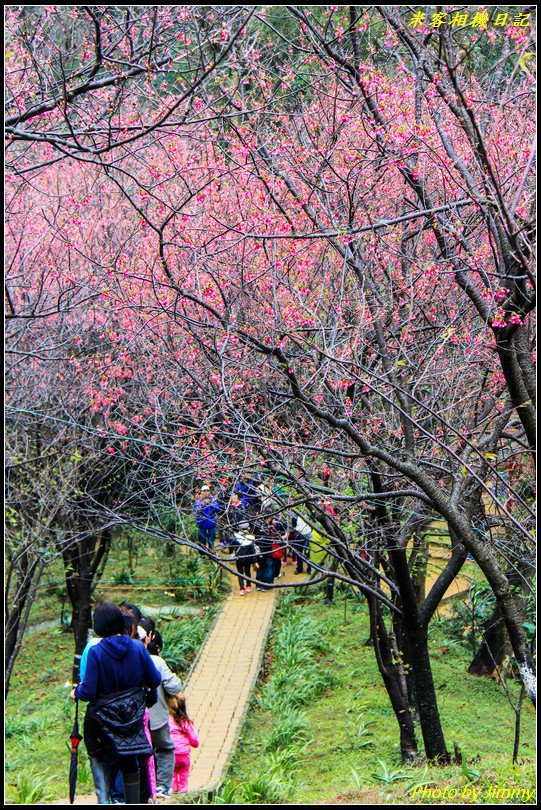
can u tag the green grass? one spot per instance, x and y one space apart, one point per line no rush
349 735
39 712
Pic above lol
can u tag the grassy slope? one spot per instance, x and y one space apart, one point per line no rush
342 766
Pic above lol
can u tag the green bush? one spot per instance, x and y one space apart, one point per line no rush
267 788
122 578
183 639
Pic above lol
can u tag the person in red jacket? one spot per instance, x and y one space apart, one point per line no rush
184 736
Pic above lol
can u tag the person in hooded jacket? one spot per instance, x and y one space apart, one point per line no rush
264 542
206 510
117 670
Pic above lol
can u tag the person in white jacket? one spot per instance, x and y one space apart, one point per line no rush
301 543
164 748
246 557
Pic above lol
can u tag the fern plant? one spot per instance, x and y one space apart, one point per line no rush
31 788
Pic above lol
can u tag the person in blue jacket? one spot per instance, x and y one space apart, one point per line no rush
206 511
117 670
247 491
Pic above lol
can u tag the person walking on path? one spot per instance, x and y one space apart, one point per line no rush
277 531
164 749
233 520
246 557
206 509
117 670
265 573
133 621
301 543
184 737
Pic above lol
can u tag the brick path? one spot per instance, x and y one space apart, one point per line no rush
220 685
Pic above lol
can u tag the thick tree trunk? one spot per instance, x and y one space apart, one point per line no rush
79 588
494 648
84 563
80 624
509 605
425 692
401 653
392 680
416 635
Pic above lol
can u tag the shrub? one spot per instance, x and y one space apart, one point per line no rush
268 788
123 578
291 729
31 788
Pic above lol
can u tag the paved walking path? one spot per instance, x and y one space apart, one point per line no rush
221 682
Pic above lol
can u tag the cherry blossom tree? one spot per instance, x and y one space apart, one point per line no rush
90 81
330 281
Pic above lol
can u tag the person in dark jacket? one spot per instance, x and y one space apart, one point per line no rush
117 670
246 556
247 491
265 572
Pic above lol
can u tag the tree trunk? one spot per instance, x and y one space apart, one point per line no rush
79 588
427 706
392 681
418 563
17 612
329 584
329 591
510 609
521 385
494 648
84 563
416 634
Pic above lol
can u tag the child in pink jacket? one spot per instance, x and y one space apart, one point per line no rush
184 737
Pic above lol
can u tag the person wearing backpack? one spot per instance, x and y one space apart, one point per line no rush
246 557
277 531
301 544
263 538
117 671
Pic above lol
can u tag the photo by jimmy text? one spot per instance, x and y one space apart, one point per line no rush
473 793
